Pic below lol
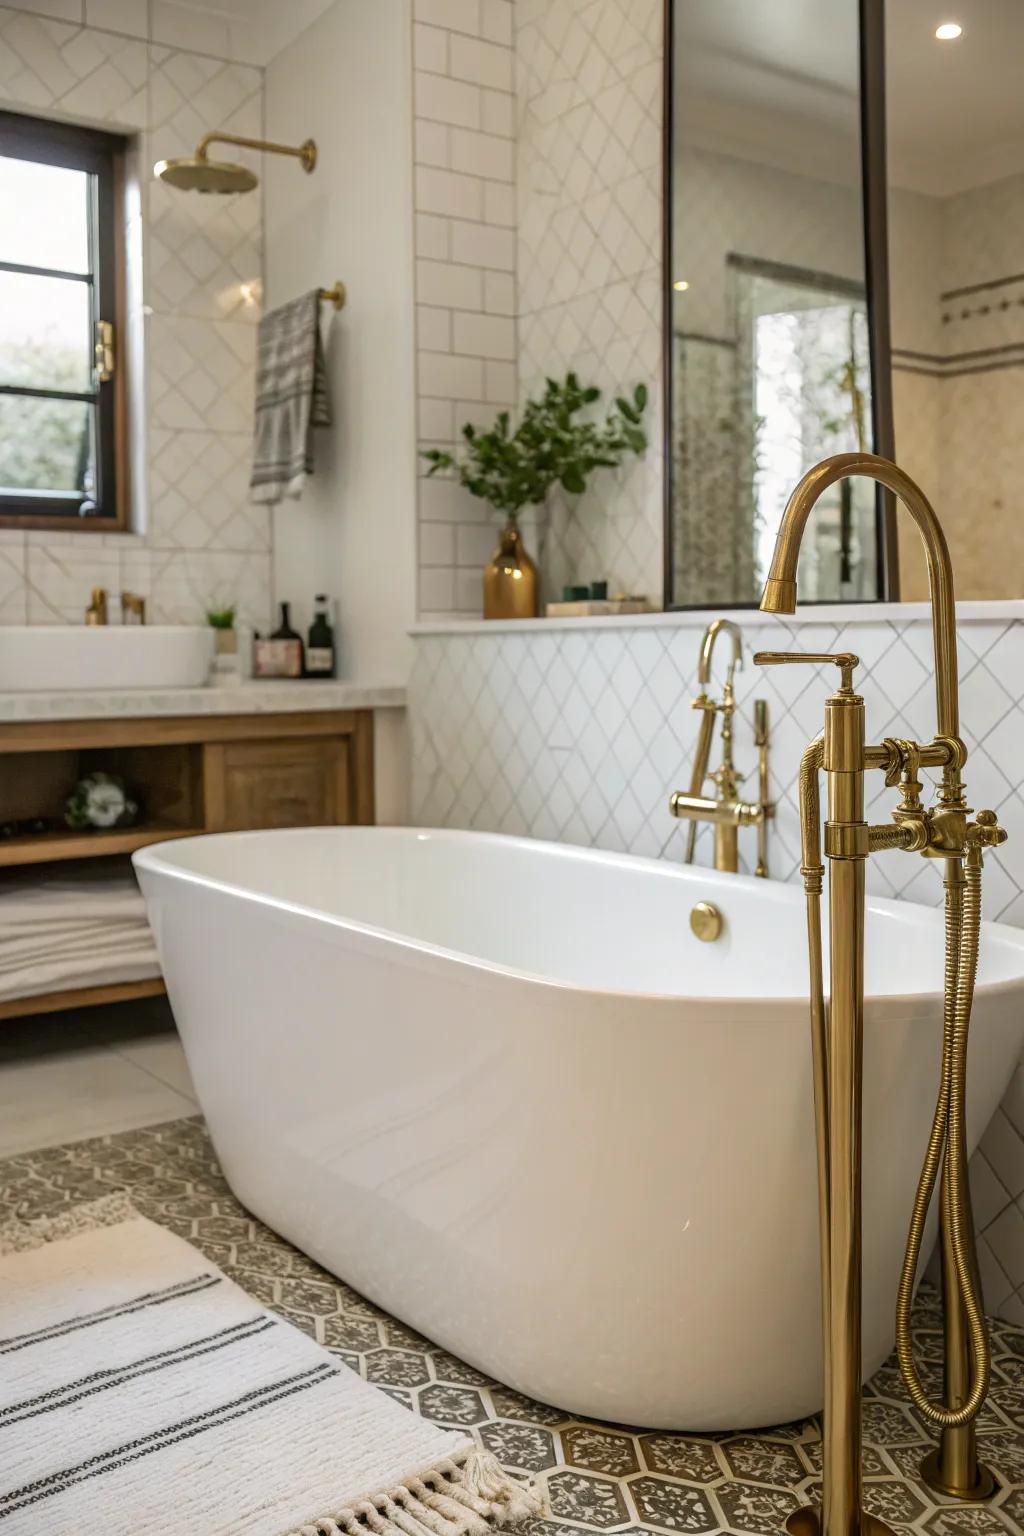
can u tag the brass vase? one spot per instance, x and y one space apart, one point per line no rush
510 581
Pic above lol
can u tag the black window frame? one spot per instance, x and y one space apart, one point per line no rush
102 155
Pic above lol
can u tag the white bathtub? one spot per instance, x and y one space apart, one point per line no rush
499 1087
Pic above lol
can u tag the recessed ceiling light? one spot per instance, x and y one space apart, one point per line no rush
681 286
948 31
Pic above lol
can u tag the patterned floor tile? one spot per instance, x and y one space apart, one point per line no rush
596 1477
600 1450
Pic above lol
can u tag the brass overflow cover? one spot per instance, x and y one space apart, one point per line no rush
706 922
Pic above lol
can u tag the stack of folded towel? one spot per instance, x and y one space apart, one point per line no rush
82 927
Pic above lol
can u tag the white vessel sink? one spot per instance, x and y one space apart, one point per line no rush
47 658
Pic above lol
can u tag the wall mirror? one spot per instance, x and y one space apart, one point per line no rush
775 348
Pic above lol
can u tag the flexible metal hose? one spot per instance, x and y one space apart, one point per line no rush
947 1145
888 837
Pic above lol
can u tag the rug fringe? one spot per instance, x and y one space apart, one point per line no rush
18 1235
468 1497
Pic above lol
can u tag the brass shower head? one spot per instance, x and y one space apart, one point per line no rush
198 173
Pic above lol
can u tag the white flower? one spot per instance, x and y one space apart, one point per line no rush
104 804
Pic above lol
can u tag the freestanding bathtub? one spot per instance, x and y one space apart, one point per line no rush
499 1087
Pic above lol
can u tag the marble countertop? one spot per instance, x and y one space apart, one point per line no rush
970 611
270 698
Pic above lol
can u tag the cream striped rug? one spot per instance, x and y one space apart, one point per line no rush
142 1393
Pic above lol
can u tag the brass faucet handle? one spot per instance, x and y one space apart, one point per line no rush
989 833
760 722
844 660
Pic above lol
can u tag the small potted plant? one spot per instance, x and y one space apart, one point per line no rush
226 666
222 621
512 468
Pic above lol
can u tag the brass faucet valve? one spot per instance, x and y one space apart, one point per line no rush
986 831
910 815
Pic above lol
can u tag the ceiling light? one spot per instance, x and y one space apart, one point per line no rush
681 286
948 31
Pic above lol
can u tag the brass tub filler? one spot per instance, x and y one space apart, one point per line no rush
725 810
943 831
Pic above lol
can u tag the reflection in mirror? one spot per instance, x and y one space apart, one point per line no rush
955 129
769 345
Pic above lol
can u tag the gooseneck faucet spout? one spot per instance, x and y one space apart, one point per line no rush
779 595
945 832
707 651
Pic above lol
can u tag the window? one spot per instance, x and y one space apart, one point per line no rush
62 394
806 379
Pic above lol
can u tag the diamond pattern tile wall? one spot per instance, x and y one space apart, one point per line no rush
199 539
589 258
580 735
957 380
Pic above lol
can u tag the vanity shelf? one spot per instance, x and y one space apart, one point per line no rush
190 774
48 847
80 997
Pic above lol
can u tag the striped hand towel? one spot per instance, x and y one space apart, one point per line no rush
143 1394
291 398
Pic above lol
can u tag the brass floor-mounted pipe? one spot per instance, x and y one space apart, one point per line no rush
944 832
813 872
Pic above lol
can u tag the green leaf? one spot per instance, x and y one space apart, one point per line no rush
640 397
627 410
573 481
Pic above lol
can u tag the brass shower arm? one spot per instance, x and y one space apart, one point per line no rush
306 152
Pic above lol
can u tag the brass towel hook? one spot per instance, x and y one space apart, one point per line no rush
335 295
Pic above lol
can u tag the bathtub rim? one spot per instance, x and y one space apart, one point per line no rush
151 860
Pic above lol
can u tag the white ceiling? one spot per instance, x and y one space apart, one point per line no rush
271 24
760 75
955 110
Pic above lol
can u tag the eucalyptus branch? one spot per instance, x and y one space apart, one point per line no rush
511 469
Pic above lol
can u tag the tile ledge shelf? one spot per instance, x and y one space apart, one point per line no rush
246 699
971 611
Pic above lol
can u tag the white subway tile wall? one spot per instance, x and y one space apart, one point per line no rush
198 540
465 170
582 735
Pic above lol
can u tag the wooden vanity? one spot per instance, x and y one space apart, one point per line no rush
190 773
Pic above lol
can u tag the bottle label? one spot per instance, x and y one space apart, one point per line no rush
277 658
319 659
